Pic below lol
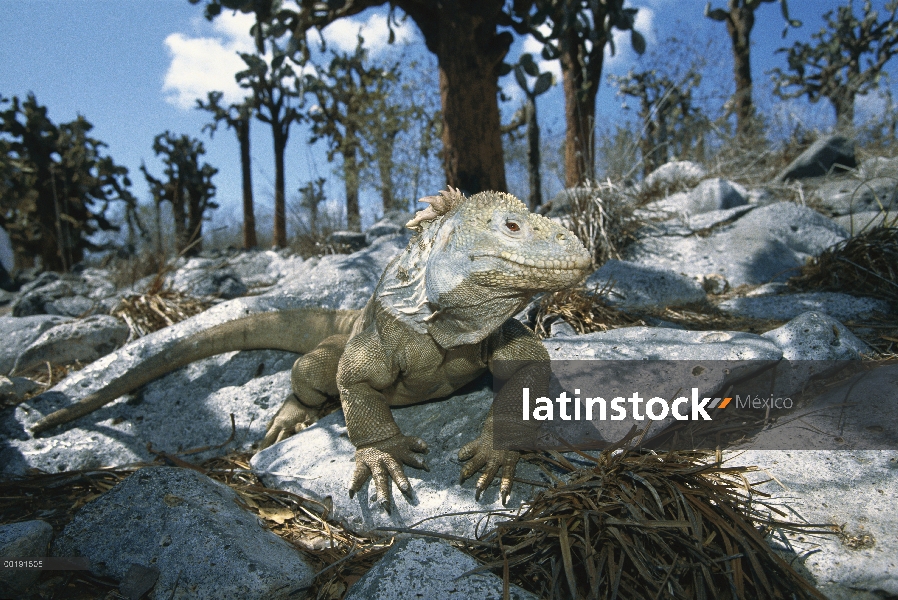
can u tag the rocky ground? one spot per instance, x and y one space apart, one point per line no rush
714 251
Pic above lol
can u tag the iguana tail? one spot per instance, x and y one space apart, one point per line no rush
299 330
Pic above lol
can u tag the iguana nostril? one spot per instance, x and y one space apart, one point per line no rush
560 237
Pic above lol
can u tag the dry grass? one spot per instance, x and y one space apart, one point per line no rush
600 214
863 265
643 525
146 313
586 311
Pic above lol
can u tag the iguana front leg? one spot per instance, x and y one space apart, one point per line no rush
381 449
519 358
314 380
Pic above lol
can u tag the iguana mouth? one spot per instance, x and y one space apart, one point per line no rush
566 264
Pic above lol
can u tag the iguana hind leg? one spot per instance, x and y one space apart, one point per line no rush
314 380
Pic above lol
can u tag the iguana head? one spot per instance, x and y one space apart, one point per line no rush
493 240
477 261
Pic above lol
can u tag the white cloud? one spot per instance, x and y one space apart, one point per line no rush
342 34
203 64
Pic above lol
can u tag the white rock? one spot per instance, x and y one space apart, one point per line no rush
788 306
656 343
866 220
714 194
18 333
343 280
682 172
817 336
561 328
829 154
854 489
188 408
846 196
318 463
417 568
12 389
83 340
192 530
768 243
878 166
632 285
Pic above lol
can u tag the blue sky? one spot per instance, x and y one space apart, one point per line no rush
133 68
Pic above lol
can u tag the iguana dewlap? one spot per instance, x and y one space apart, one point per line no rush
439 317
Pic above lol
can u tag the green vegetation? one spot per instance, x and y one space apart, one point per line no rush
56 185
187 186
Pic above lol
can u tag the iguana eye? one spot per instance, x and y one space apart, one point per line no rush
512 226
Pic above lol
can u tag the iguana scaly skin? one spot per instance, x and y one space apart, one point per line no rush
439 317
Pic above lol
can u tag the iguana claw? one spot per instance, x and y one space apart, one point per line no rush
292 417
382 461
481 455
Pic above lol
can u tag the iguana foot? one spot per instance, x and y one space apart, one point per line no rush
292 417
383 460
481 455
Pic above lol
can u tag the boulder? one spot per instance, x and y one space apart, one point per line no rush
683 224
832 153
784 307
35 279
74 306
39 300
715 194
846 196
768 243
854 492
343 280
418 568
393 222
318 463
631 285
658 343
83 340
351 240
878 166
12 389
70 294
561 327
263 268
813 344
18 333
864 221
674 175
192 530
207 277
27 539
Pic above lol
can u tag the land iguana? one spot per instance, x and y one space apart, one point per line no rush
440 316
